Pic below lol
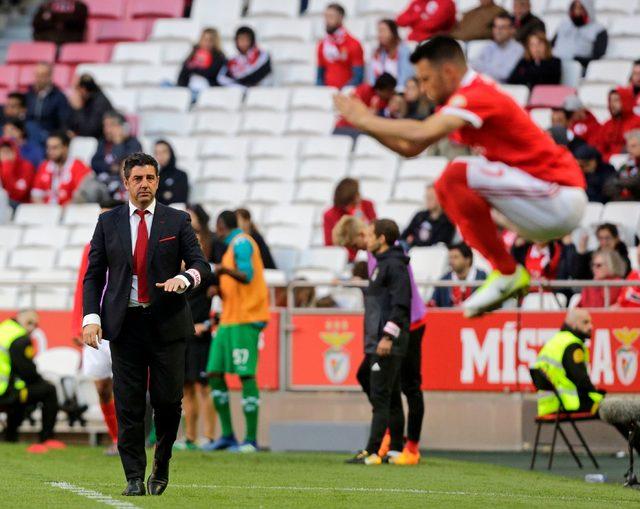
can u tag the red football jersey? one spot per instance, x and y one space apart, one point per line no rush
338 54
500 130
57 184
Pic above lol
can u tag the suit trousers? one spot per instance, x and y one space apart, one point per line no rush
140 360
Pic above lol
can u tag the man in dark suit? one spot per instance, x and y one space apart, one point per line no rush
137 250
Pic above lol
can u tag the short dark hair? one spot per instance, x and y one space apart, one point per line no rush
116 115
610 227
388 228
248 31
636 62
18 124
138 159
504 15
385 82
338 8
229 219
62 136
464 250
438 49
22 98
87 82
345 192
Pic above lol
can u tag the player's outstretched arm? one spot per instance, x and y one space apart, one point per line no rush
406 137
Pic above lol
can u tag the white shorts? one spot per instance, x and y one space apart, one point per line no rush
540 210
96 364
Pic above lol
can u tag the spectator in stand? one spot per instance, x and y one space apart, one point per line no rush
477 23
580 37
429 226
427 18
525 22
16 173
630 295
60 21
418 105
391 56
249 227
15 106
499 57
89 105
597 173
626 187
346 201
376 98
47 106
201 68
582 122
543 260
608 240
607 265
634 85
174 183
250 67
15 129
116 144
538 66
59 176
340 55
611 140
462 269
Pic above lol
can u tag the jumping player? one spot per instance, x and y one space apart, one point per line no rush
522 173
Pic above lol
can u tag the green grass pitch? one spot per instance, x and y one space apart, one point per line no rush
83 477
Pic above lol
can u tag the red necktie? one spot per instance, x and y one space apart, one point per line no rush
140 258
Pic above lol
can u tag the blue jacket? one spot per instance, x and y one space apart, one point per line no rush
442 296
51 113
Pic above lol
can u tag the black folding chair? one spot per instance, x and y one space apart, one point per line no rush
542 383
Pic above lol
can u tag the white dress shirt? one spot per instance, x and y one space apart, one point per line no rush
134 223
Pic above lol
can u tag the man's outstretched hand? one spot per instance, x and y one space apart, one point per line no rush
352 109
92 335
173 285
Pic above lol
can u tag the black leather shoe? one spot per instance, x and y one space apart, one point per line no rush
135 488
159 478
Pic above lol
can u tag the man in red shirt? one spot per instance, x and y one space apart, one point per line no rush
59 176
376 97
427 18
16 174
582 123
611 139
536 184
340 55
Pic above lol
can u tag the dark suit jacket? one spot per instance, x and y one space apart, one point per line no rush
171 241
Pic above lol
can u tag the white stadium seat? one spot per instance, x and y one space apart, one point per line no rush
317 7
285 30
122 99
321 276
49 276
374 169
80 236
313 98
331 258
208 12
150 75
46 299
222 192
33 258
323 169
429 262
185 147
264 123
219 98
624 47
60 361
557 7
176 29
70 257
400 213
616 6
311 123
519 93
11 235
9 297
273 148
367 147
609 71
224 148
552 22
594 95
314 192
296 75
166 123
423 168
146 53
291 52
37 214
380 8
375 191
45 236
542 117
289 215
409 191
275 278
571 73
83 148
624 26
273 170
216 123
175 52
474 49
626 215
288 237
164 99
267 99
271 192
278 8
327 147
108 75
619 160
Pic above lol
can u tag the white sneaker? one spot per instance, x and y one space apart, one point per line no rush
496 289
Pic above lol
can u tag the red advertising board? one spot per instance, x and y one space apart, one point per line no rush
492 353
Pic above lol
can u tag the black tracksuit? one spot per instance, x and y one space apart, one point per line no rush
387 313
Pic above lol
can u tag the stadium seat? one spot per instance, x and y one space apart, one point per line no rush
61 76
121 31
331 258
549 96
71 256
571 73
519 93
312 123
270 148
60 361
11 235
289 215
626 215
547 301
176 29
154 9
45 236
624 26
217 98
79 236
224 148
9 297
99 9
164 99
150 75
608 71
594 95
264 123
557 7
31 53
297 75
267 99
400 213
222 192
81 214
286 30
46 299
624 47
474 48
313 98
618 160
275 193
108 75
166 123
83 148
542 117
175 53
149 53
274 8
28 214
287 52
317 276
122 99
314 192
379 8
61 276
274 170
186 147
275 278
328 147
374 169
616 6
317 7
292 237
368 147
230 170
33 258
423 168
74 53
409 191
207 11
9 77
375 191
429 262
217 123
322 169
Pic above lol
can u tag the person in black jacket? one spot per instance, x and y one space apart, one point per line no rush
117 144
89 107
247 225
250 67
597 172
60 21
386 331
200 69
174 183
25 385
609 240
538 66
47 106
429 226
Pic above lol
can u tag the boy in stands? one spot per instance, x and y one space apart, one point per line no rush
523 174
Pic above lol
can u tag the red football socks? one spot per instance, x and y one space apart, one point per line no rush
412 447
109 413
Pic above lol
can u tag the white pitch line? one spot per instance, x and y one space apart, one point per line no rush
93 495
